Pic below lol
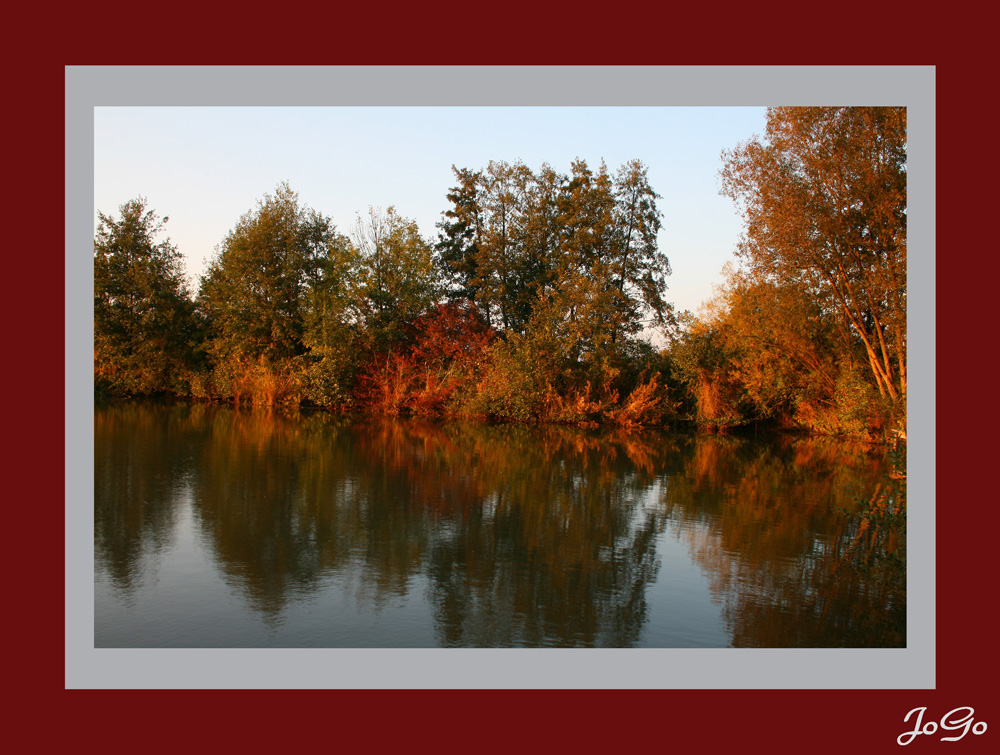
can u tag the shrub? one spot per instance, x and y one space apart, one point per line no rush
384 383
511 384
258 382
328 375
577 407
855 409
446 344
647 404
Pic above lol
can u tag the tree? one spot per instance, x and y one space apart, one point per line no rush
497 242
143 314
765 347
503 269
824 200
608 276
332 326
585 241
458 237
398 277
257 290
781 345
567 263
639 268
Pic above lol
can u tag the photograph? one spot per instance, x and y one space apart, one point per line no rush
500 377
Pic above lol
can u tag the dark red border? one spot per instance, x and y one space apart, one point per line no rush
47 717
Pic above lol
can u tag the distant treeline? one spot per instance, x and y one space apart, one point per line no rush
535 301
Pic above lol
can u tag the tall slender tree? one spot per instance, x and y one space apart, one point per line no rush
639 267
398 277
502 267
458 237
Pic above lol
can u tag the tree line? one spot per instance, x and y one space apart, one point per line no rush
535 300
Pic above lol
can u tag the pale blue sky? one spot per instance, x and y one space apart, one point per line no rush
206 166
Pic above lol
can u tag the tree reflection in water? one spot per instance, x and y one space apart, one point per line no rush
780 545
516 536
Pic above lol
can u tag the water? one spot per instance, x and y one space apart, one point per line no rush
218 527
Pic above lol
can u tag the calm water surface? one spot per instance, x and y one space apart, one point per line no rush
216 527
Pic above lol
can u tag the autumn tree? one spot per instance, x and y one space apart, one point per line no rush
143 313
586 242
256 292
566 267
504 270
760 352
783 350
333 336
823 196
458 237
610 276
397 275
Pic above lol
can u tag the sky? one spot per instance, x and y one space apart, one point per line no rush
204 167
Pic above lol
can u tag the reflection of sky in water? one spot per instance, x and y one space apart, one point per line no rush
314 533
683 612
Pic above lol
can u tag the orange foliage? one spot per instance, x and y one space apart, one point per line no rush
446 341
384 383
645 405
577 408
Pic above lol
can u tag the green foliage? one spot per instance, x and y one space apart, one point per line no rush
144 323
506 267
457 247
513 380
582 244
257 290
859 406
566 266
331 336
270 296
397 276
328 373
855 408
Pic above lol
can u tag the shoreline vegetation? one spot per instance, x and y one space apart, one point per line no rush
539 297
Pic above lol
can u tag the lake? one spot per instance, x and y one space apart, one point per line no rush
223 527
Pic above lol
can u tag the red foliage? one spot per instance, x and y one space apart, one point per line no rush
455 332
420 379
384 383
